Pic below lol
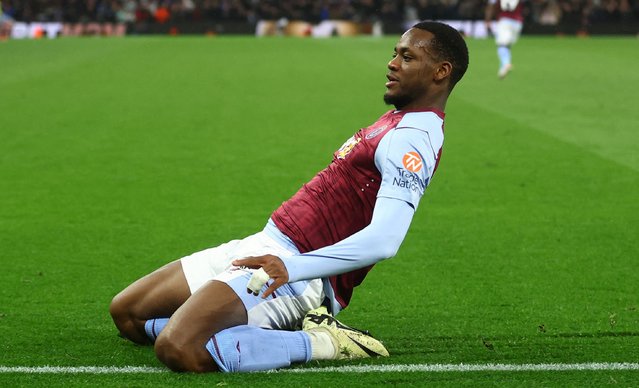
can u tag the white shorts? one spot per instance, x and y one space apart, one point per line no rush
508 31
283 310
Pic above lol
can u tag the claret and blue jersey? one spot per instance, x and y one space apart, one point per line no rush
357 211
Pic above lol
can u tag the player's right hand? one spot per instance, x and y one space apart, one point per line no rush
272 265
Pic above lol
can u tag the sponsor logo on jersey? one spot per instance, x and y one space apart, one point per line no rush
347 147
412 161
409 180
376 132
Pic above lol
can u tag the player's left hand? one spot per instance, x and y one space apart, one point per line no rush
272 265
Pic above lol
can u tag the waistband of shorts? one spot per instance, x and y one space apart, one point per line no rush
273 232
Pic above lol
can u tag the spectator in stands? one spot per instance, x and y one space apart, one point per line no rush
162 13
267 10
142 14
212 9
365 10
235 11
125 13
427 9
470 10
627 15
572 15
391 11
550 14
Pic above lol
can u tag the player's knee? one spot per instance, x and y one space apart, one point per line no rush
124 319
169 354
180 357
120 310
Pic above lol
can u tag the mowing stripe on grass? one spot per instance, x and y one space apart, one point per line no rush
591 366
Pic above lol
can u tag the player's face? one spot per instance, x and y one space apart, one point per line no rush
411 70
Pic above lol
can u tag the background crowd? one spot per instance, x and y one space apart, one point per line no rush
543 12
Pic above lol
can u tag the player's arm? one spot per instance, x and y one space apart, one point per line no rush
397 200
379 240
489 13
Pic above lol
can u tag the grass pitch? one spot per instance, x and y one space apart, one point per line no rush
119 155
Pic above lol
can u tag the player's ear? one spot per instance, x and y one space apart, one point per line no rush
443 70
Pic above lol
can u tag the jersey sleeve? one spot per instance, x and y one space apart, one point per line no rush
378 241
406 158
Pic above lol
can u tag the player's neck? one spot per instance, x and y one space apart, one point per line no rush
427 103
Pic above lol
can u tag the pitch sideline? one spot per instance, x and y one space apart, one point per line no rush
423 368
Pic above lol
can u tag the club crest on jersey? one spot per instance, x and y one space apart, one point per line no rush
376 132
347 147
412 161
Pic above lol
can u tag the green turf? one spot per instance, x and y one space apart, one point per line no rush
119 155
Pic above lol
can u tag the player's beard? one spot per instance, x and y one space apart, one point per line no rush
399 100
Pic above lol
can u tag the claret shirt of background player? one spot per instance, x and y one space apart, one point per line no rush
339 200
510 9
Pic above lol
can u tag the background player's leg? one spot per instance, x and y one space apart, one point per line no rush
156 295
182 343
503 52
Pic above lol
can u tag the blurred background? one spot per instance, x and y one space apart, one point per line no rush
53 18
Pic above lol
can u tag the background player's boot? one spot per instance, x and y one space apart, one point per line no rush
333 340
503 72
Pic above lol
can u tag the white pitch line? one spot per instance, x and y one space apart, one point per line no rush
81 369
423 368
470 368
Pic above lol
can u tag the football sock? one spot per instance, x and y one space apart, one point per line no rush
504 55
153 327
322 347
247 348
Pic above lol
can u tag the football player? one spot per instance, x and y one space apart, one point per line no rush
200 312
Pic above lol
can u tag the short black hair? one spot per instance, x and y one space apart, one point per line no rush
450 46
